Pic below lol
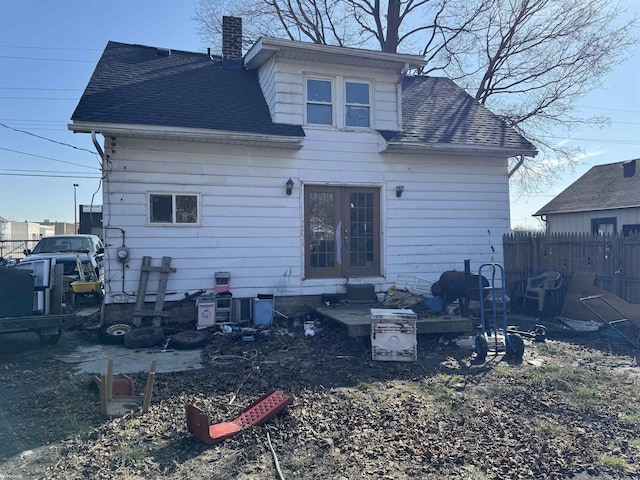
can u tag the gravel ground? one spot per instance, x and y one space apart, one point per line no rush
571 409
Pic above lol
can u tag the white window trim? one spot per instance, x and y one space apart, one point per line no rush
345 104
173 209
333 104
339 102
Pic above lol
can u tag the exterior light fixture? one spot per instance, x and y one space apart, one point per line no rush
289 185
399 190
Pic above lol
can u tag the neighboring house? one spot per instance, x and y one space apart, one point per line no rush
605 200
296 169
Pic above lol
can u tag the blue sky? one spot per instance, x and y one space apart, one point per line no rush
49 48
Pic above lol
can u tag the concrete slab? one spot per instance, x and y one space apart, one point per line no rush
92 359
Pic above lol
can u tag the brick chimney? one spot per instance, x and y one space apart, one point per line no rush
232 43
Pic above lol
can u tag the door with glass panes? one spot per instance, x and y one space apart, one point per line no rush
342 231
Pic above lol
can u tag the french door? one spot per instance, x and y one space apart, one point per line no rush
342 231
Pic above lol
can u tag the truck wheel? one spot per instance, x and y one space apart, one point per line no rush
113 333
50 338
188 339
144 337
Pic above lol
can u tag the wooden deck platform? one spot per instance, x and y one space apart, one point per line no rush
357 319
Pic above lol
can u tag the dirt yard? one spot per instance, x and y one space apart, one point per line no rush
571 409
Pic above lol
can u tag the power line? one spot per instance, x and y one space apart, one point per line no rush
39 171
47 158
39 98
47 89
51 48
48 59
603 140
609 109
71 175
47 139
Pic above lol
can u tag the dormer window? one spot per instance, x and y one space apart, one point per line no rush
357 104
319 102
339 102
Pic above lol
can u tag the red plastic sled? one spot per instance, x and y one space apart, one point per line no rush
263 409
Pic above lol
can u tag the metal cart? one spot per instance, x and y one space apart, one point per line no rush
493 317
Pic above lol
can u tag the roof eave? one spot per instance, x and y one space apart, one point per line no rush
189 134
542 212
455 149
266 47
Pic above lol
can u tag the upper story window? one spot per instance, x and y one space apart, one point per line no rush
319 102
357 105
168 208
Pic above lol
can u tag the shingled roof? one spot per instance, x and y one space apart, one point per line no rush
140 85
603 187
435 111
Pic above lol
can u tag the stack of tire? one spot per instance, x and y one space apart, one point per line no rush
119 333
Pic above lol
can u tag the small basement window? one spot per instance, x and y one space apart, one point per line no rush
168 208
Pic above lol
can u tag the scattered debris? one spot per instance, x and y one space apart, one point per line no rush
117 396
259 412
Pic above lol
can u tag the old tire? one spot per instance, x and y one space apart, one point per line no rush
516 346
188 339
144 337
482 348
113 333
50 338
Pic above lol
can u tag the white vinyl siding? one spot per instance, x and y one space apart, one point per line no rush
283 86
452 208
580 222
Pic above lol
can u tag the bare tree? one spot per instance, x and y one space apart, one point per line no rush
534 59
526 60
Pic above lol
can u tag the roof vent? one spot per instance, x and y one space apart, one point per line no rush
164 52
629 168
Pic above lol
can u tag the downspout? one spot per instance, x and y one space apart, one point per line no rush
97 145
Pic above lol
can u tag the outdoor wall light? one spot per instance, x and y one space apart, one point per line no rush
399 190
289 185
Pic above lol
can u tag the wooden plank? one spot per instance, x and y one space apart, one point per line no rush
357 319
142 290
162 289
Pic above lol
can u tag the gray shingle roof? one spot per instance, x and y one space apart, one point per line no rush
602 187
141 85
134 84
436 111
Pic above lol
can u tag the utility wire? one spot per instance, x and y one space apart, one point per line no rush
47 89
51 48
71 175
47 139
48 158
49 59
39 98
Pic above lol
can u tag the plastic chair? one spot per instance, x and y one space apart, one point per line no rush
538 288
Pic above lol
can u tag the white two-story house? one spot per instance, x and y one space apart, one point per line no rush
297 168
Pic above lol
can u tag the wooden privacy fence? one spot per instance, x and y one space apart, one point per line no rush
614 259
